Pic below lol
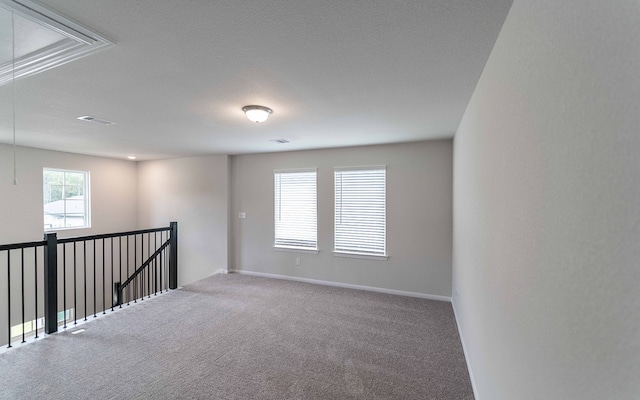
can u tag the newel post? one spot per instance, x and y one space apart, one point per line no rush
51 283
173 256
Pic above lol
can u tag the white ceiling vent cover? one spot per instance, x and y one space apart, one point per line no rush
89 118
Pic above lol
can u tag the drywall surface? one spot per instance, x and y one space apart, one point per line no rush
547 206
112 193
419 179
113 203
193 192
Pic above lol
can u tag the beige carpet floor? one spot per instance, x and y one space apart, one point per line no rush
243 337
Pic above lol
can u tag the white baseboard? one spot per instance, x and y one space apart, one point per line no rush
343 285
466 353
220 271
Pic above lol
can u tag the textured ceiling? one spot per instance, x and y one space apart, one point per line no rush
33 35
335 73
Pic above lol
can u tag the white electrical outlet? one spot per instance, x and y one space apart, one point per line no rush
298 261
242 215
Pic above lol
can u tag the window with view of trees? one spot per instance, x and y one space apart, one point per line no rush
66 199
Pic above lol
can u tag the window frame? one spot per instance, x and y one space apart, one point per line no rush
356 254
293 248
86 198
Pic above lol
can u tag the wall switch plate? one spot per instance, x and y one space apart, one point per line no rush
242 215
298 261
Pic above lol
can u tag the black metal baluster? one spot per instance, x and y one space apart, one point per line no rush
120 268
161 242
165 269
149 266
64 283
22 288
160 264
141 261
35 263
112 252
104 308
9 298
75 287
94 280
141 282
135 268
140 278
155 265
161 287
167 262
128 274
145 273
146 269
85 278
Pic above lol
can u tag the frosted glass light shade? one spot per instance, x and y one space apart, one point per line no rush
257 114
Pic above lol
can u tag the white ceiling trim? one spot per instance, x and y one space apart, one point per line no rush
79 41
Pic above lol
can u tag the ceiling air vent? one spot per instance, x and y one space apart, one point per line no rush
282 141
89 118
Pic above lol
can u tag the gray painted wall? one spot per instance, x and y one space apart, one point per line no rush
197 193
419 198
113 209
547 206
194 192
113 193
125 196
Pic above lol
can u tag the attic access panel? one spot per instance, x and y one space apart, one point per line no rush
44 39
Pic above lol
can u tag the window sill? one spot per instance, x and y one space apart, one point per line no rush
295 250
362 256
70 228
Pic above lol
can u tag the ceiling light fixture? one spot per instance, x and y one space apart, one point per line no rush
257 114
131 157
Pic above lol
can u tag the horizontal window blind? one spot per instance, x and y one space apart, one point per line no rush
296 209
360 211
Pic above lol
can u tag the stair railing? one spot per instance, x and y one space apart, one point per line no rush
53 282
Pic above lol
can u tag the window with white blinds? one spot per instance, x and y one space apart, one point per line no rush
296 209
360 211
